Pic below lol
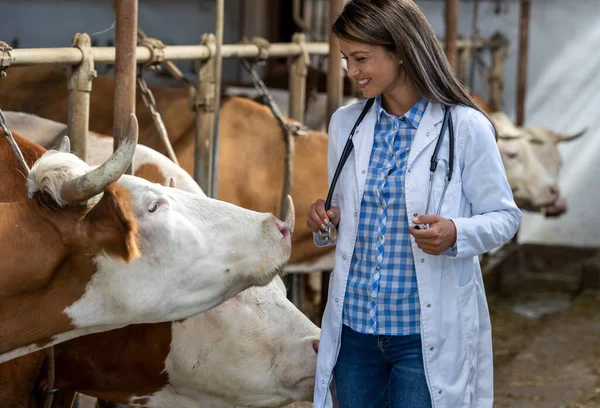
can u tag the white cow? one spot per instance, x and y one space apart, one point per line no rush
532 162
255 350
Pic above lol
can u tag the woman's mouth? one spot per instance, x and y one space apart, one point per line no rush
364 82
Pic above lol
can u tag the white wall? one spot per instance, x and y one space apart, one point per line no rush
563 93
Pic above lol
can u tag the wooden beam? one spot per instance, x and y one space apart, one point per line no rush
523 51
452 31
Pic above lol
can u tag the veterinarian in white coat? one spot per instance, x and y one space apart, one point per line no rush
392 51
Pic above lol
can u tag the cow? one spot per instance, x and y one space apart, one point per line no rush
140 253
316 103
532 163
256 349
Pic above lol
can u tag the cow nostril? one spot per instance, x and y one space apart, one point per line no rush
553 189
283 228
315 345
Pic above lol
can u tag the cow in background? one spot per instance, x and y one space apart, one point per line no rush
532 163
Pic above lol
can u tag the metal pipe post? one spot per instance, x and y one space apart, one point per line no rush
298 74
451 31
523 51
106 55
205 106
125 68
334 72
79 82
218 61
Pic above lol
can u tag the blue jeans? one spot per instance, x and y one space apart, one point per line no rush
380 371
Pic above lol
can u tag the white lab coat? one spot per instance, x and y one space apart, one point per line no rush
455 322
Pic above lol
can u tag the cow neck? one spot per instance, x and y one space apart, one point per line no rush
36 278
116 365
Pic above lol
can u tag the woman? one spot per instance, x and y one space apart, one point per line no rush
406 322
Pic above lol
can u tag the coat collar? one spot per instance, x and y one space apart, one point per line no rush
427 132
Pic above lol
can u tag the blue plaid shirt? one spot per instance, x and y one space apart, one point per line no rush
381 295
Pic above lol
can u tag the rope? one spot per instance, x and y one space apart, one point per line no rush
50 392
289 131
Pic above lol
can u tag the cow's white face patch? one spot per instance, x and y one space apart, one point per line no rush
196 252
255 350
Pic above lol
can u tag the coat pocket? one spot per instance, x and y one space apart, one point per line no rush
469 318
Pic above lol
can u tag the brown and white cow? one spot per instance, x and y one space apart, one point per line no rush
73 264
254 350
532 163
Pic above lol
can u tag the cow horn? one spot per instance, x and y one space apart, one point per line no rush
65 145
567 138
509 136
290 216
86 186
172 183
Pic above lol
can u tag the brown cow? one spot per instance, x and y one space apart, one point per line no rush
141 253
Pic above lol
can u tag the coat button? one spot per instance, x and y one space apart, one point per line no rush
422 260
323 382
363 172
432 348
355 214
427 133
428 304
415 214
344 257
336 300
440 391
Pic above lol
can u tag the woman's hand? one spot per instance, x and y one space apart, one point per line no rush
318 218
438 237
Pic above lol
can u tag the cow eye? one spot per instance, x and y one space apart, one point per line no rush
153 207
512 155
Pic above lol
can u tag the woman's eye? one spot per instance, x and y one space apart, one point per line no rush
153 207
360 59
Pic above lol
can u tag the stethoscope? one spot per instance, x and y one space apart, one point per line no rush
331 233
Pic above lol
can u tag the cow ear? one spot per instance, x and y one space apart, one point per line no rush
65 145
111 225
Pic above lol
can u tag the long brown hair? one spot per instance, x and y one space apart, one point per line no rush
402 29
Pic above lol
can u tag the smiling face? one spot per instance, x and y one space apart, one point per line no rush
376 70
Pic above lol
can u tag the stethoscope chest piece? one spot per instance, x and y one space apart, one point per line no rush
330 235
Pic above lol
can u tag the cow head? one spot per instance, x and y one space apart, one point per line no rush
255 350
532 162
